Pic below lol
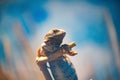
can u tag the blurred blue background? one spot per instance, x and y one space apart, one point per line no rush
93 24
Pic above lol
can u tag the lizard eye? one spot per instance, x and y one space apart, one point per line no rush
55 31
